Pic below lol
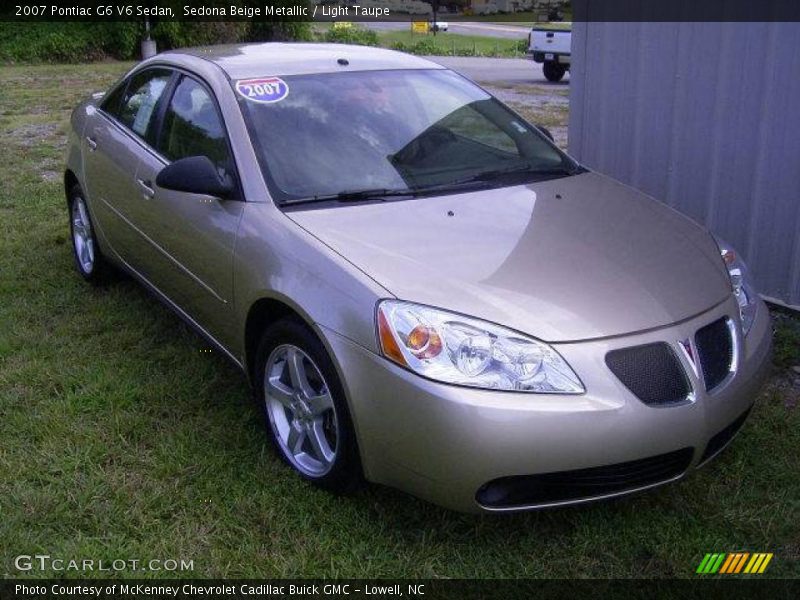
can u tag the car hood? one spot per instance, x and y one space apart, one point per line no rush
568 259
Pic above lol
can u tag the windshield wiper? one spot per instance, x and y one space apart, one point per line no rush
518 170
468 182
352 196
382 193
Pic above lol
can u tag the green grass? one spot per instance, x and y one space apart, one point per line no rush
555 25
787 341
445 43
120 438
523 24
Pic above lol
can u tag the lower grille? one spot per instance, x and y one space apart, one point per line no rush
582 484
652 372
721 439
715 351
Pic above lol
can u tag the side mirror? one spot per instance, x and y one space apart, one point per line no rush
195 175
545 131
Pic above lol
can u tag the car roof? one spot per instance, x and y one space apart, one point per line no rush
275 58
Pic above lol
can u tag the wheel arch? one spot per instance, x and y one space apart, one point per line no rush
262 313
70 179
267 310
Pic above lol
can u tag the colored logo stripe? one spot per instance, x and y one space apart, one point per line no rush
711 563
727 564
734 563
758 563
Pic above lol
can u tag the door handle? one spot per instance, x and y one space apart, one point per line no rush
92 143
147 187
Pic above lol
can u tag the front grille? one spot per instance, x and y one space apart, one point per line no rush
582 484
652 372
715 351
721 439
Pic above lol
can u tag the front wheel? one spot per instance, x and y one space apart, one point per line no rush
553 71
304 407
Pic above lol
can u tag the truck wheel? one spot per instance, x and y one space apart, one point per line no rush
553 71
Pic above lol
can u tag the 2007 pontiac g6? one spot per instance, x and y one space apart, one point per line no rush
423 290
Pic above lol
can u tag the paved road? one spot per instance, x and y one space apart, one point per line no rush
514 32
498 70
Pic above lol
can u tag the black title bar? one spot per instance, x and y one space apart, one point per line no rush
368 10
731 588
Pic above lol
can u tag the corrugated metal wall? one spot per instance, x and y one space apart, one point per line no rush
705 117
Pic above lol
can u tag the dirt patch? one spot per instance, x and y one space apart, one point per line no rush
30 135
48 169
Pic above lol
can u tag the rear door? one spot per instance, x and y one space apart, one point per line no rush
195 234
115 140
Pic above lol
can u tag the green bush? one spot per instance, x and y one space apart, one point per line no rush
115 40
279 32
184 34
41 42
63 47
68 42
85 42
450 47
351 35
428 46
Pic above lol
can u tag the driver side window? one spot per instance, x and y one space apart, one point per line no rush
192 127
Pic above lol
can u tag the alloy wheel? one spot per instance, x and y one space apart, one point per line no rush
301 411
82 236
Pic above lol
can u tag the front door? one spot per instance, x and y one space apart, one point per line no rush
195 234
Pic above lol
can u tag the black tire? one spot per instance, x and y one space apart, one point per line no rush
345 474
553 71
99 270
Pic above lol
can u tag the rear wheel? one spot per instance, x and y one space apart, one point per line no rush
553 71
88 259
304 407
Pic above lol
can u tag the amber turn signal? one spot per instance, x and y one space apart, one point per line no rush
388 343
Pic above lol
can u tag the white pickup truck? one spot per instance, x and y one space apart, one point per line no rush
550 45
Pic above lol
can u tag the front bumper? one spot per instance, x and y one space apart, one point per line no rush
445 443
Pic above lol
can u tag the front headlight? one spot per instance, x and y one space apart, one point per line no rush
455 349
742 285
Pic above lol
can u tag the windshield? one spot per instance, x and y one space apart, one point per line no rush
339 133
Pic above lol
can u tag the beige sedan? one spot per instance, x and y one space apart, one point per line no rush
422 289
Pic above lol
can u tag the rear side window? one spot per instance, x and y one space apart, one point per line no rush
113 100
138 107
193 127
